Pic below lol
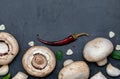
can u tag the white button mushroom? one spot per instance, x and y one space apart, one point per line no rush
8 48
112 71
98 75
20 75
39 61
75 70
97 50
102 62
4 70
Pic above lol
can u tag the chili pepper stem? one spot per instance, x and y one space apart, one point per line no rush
75 36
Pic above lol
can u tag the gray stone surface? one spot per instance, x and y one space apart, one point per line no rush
56 19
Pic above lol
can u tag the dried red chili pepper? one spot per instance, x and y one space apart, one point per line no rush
67 40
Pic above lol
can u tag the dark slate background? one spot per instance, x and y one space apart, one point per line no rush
56 19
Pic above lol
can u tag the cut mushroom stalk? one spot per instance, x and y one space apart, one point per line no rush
39 61
102 62
112 71
4 70
20 75
98 75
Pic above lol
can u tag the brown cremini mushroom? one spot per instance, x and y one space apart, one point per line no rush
8 48
39 61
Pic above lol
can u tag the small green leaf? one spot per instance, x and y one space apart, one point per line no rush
7 76
59 55
116 54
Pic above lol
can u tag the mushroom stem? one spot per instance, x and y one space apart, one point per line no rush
39 61
102 62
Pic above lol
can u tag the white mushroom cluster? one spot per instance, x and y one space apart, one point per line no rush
97 50
39 61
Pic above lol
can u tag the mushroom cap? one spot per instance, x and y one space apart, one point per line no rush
29 55
97 49
75 70
13 48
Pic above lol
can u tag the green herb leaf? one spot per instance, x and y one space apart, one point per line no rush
7 77
59 55
116 54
